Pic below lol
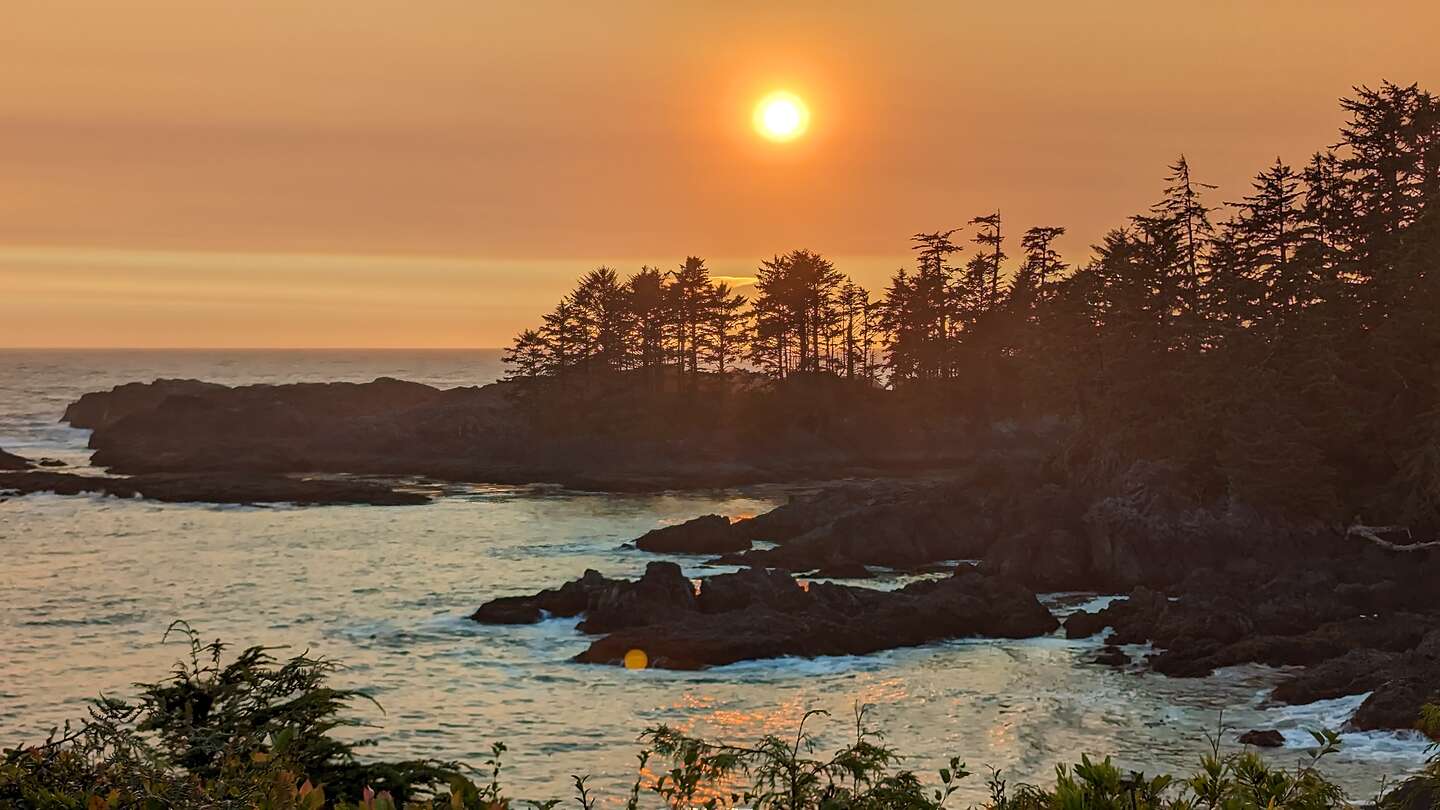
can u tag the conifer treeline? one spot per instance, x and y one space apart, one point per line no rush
1301 239
803 315
1294 334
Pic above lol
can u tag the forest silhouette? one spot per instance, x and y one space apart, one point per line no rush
1278 350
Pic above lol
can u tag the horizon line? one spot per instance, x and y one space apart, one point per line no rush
252 348
439 256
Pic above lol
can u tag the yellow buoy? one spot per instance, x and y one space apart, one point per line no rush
636 659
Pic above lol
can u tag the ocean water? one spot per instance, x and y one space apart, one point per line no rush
88 586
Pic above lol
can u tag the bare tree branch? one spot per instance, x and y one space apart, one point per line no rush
1372 533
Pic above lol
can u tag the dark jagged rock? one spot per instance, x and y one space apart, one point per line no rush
757 613
1144 528
570 599
1352 673
805 512
1268 738
1285 622
1411 682
753 587
1396 703
833 620
214 488
1358 619
10 461
901 525
1084 624
101 409
51 462
707 534
1416 793
1041 534
660 595
1330 640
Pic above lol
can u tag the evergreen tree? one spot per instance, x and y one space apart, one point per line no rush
601 307
1034 283
649 318
795 312
527 356
1326 207
981 294
854 304
688 302
564 338
1266 238
923 312
1174 236
904 329
725 327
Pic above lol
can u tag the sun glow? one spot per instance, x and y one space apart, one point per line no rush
781 116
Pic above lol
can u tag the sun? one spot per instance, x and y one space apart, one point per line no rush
781 116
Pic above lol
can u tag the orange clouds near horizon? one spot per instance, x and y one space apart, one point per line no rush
345 149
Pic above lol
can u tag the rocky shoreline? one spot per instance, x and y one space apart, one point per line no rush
1342 616
1208 584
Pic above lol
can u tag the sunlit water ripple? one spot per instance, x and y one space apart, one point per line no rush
88 586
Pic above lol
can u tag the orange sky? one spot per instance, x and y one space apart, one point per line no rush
394 173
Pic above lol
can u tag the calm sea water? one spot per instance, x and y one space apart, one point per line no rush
88 586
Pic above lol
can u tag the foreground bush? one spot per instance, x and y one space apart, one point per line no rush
258 733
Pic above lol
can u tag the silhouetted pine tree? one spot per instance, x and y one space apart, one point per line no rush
726 327
795 313
1267 236
981 294
527 356
602 313
688 298
648 318
922 312
564 339
855 309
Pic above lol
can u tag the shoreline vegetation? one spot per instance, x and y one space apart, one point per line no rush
255 731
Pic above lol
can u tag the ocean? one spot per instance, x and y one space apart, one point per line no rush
88 586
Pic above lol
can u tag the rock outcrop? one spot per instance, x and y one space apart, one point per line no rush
892 524
1269 738
570 599
707 534
1359 620
100 409
659 595
757 614
833 620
